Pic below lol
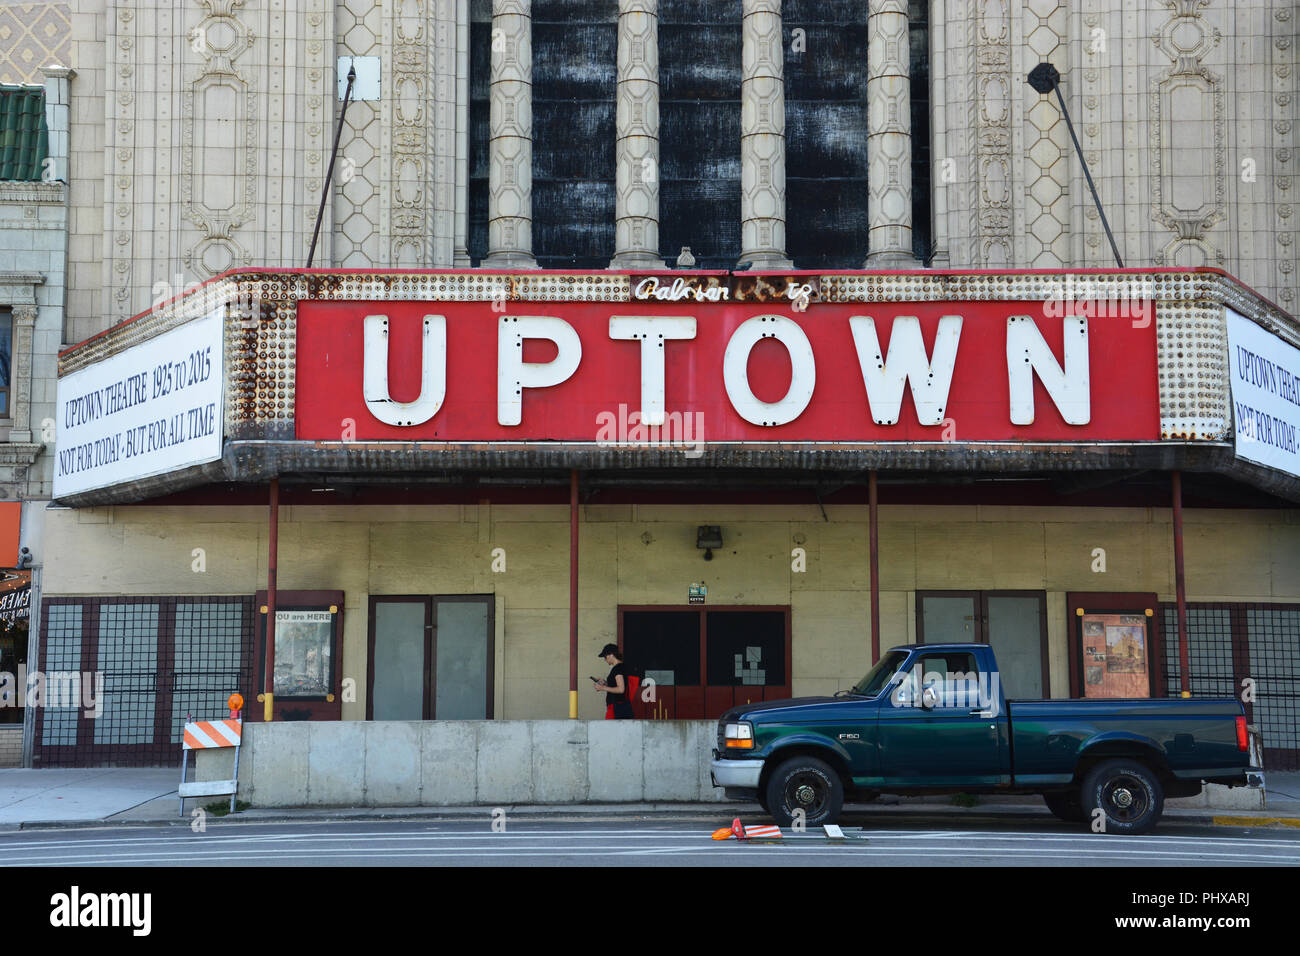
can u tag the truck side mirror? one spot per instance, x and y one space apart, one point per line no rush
930 697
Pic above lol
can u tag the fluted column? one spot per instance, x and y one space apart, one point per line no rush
636 211
460 250
762 138
510 138
889 137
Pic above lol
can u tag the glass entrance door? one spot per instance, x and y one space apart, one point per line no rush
1013 623
431 657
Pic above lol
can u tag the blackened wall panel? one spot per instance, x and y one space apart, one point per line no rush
918 24
699 130
575 73
826 132
480 78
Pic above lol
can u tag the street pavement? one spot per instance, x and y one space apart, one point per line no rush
872 839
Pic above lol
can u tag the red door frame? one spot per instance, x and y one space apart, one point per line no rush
300 708
1113 602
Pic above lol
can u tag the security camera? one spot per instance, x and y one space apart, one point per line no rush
24 558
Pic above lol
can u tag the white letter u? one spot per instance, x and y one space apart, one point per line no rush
433 373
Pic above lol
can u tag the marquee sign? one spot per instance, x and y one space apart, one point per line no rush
771 372
1264 373
150 409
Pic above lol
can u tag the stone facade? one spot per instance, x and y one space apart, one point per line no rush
33 260
201 135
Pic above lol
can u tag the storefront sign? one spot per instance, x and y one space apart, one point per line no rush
15 605
1265 376
739 372
153 408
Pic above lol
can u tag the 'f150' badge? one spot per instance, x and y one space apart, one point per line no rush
850 736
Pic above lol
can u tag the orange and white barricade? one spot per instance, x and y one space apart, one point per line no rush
209 735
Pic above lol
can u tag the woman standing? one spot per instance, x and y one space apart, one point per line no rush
615 686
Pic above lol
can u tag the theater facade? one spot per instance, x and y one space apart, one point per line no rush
446 490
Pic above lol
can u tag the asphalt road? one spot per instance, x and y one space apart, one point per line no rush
576 841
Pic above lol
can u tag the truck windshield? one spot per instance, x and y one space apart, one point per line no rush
878 677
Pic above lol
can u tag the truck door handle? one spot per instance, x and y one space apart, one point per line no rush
982 713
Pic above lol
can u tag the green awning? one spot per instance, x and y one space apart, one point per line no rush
24 139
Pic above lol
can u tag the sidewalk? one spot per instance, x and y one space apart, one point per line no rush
38 798
79 796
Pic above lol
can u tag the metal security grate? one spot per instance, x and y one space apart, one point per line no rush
210 660
1274 641
1250 652
1209 646
61 654
141 666
127 659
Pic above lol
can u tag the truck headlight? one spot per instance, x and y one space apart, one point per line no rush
739 736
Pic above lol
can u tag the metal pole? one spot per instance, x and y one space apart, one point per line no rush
1043 78
573 594
1088 175
268 688
874 522
329 176
1180 588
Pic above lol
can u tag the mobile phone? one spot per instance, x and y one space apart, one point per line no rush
593 680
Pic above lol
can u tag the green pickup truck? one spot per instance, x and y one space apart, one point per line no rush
932 719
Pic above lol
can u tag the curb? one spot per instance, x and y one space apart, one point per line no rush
710 811
1240 821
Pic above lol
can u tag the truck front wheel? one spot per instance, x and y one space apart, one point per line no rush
804 784
1127 792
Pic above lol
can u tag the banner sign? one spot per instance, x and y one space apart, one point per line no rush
1265 376
153 408
690 373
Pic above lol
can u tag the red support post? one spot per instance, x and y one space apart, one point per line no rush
268 689
874 521
1180 588
573 594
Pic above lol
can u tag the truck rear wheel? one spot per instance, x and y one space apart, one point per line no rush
1127 792
1065 805
807 784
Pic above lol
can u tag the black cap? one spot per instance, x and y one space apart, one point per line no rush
608 649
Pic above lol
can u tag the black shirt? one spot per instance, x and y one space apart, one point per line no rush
611 680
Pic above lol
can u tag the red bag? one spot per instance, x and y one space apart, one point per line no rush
633 684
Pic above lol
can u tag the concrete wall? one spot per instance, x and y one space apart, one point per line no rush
450 763
493 763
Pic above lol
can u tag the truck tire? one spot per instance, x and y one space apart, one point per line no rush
1065 805
807 784
1127 792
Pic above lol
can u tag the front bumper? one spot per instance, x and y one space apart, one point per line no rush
736 773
